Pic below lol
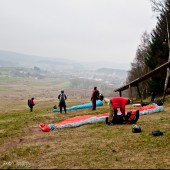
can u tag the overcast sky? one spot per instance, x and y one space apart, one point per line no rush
107 30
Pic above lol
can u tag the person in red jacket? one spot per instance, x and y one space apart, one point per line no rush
94 97
115 103
31 104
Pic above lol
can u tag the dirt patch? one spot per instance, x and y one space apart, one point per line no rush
29 133
45 139
11 143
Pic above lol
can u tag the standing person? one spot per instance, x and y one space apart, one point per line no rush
62 104
31 104
115 103
94 97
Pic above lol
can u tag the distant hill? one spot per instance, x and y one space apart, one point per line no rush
13 59
75 71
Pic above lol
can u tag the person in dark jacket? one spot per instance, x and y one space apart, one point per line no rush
62 101
115 103
31 104
94 97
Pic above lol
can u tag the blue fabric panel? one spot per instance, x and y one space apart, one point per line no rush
82 106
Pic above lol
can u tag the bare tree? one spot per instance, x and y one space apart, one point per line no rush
138 66
158 5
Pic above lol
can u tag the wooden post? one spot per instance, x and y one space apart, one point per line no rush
120 93
131 93
166 84
168 72
139 93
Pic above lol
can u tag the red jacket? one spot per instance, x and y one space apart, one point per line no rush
95 95
119 102
32 102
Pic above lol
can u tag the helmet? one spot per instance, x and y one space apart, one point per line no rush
62 91
136 129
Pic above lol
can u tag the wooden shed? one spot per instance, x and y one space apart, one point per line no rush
136 82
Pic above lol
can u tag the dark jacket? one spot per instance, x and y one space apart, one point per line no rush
62 97
95 95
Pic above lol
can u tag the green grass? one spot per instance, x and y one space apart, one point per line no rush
92 146
10 79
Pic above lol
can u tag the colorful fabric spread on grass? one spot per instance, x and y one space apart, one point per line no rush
82 120
82 106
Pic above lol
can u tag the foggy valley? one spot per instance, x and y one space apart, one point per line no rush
80 76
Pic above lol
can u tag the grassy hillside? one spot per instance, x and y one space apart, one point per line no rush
24 145
94 146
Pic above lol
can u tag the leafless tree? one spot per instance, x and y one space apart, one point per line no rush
138 66
158 5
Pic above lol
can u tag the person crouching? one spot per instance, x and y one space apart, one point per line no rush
115 103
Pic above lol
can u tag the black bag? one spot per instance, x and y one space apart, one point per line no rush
157 133
118 119
130 118
101 97
54 107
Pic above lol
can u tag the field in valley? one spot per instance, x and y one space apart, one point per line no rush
94 146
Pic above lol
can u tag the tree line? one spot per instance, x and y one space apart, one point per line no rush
153 51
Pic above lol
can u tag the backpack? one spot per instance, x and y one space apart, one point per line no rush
62 97
29 102
130 118
54 107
